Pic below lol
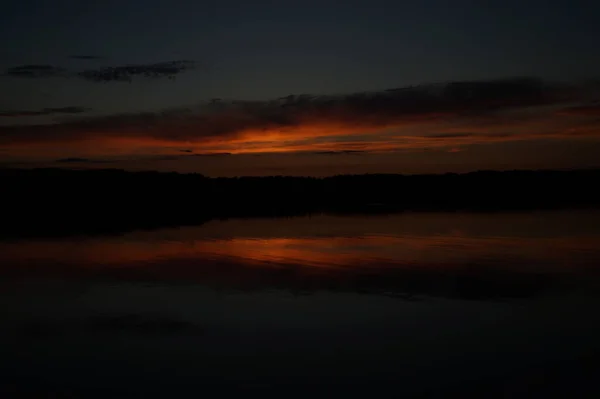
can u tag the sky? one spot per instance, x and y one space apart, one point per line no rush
234 87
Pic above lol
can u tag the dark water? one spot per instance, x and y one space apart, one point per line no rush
411 305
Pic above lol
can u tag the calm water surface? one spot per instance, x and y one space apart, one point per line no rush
422 304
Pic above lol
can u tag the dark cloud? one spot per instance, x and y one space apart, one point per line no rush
214 154
448 135
343 152
126 73
80 160
456 97
45 111
86 57
167 158
72 160
177 157
583 110
123 73
67 110
36 71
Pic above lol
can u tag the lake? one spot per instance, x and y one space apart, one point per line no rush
408 305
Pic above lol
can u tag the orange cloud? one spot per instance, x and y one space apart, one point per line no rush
452 115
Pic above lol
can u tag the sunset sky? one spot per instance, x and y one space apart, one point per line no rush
236 87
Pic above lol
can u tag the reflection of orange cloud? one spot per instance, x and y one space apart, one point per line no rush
330 252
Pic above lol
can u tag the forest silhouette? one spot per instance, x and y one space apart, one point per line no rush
58 202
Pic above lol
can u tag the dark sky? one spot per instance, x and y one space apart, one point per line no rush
66 61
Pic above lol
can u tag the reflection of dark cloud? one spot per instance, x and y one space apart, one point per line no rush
419 282
120 323
45 111
141 324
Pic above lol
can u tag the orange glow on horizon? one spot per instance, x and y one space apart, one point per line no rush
418 133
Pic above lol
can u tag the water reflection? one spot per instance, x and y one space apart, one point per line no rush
474 256
321 252
482 304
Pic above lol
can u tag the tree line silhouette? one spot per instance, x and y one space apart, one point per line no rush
57 201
